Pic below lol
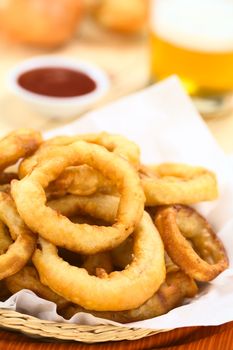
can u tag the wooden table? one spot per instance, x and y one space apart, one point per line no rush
126 61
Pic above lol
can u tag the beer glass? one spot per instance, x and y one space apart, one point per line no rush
194 39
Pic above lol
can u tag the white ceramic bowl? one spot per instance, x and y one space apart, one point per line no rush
58 107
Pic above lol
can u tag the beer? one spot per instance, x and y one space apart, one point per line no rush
193 39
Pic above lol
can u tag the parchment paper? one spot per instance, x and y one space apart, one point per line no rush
167 127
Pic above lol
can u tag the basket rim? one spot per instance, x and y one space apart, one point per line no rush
50 330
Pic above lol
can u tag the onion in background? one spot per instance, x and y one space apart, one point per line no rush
46 23
125 16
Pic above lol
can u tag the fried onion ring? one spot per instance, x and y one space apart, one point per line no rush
171 183
20 251
170 295
86 239
18 144
117 144
120 290
167 183
28 278
191 242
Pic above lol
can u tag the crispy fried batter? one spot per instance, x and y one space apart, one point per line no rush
191 242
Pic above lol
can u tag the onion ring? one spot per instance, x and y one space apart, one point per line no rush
21 250
86 239
167 183
121 290
117 144
28 278
170 295
18 144
191 242
171 183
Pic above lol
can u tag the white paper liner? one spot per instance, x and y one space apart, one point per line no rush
164 123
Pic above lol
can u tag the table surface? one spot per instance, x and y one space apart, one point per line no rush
126 62
124 59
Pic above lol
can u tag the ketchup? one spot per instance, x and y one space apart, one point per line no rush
57 82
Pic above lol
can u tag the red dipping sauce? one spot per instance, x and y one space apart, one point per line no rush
57 82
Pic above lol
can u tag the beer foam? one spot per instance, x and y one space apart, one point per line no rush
200 25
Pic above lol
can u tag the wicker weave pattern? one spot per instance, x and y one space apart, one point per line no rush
35 327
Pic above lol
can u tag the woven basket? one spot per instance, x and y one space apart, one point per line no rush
35 327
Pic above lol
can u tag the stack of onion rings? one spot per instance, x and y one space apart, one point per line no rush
83 199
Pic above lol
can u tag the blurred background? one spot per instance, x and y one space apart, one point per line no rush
136 42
